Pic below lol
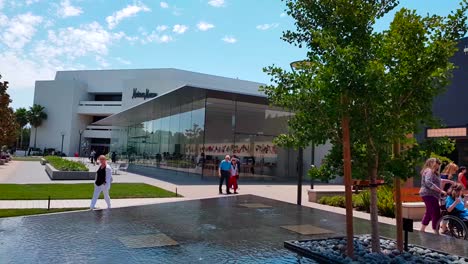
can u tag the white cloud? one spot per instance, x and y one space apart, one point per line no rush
77 42
129 11
3 20
19 30
164 5
179 29
67 10
29 73
229 39
102 62
155 37
203 26
123 61
267 26
30 2
216 3
282 14
1 4
161 28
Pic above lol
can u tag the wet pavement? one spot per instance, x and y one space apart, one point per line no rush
234 229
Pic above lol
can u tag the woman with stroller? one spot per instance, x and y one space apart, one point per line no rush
431 190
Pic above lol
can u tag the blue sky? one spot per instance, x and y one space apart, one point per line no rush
232 38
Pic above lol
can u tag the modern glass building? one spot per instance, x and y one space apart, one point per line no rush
191 129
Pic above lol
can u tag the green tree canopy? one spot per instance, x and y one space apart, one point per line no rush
384 81
8 125
36 115
21 116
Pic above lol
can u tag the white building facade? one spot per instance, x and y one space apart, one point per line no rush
77 99
124 110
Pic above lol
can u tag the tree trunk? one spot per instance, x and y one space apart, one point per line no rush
21 139
374 217
398 205
348 182
35 136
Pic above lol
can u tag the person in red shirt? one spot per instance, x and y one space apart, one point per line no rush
462 177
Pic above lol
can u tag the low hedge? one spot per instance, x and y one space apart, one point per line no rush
361 201
65 165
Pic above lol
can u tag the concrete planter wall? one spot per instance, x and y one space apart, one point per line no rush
55 174
43 161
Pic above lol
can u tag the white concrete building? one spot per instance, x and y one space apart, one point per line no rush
147 116
77 99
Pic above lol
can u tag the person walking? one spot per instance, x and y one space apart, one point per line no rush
224 172
430 192
113 157
447 174
92 156
102 183
234 175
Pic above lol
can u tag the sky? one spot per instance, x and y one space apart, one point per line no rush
231 38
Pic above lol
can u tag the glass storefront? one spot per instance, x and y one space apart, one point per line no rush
191 134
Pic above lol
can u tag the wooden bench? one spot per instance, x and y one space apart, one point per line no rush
358 185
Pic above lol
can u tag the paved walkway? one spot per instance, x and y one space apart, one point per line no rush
22 172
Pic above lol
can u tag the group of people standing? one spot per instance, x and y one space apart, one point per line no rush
436 185
228 171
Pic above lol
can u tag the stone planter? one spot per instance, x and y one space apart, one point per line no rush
55 174
414 210
315 195
332 250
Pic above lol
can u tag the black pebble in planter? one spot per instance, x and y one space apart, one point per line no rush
55 174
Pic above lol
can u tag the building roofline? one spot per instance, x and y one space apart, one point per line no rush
105 121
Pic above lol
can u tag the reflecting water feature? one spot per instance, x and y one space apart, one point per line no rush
207 231
218 230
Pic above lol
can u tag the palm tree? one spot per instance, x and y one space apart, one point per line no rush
22 120
36 115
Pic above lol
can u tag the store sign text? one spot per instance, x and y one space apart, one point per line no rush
144 95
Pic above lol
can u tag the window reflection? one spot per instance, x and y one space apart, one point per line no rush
192 135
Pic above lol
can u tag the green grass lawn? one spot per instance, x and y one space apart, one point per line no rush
20 212
27 158
78 191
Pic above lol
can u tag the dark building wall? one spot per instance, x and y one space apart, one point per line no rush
452 106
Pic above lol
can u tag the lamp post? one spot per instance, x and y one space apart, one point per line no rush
79 143
300 160
61 148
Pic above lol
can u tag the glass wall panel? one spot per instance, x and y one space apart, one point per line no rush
193 136
256 127
219 133
185 122
196 137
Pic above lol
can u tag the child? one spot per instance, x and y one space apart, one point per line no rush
455 202
234 175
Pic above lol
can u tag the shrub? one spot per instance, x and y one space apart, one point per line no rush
365 201
65 165
385 201
361 201
337 201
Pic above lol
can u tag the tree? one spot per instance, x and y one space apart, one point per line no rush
36 115
22 120
8 125
383 81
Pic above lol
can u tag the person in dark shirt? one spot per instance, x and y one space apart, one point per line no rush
102 183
